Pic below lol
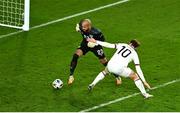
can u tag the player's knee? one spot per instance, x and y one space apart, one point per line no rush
134 76
103 61
75 56
79 52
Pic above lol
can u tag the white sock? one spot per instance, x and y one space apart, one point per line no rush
98 78
140 86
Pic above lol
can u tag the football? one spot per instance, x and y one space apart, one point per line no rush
57 84
91 44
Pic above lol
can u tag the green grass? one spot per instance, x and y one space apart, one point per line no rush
30 61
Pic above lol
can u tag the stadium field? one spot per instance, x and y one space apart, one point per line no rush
30 61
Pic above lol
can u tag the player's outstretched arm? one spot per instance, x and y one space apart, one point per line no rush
141 75
139 71
104 44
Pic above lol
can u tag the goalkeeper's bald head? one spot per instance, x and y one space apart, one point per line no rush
86 20
85 25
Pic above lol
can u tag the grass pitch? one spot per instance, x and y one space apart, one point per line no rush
30 61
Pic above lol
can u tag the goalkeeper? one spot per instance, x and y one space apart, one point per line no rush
87 31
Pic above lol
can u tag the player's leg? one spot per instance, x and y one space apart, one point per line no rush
98 51
103 60
74 60
99 77
82 50
127 72
139 84
73 64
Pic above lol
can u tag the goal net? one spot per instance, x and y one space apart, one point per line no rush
15 13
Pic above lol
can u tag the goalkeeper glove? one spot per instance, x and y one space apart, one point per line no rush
78 28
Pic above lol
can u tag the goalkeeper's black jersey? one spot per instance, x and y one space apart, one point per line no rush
94 33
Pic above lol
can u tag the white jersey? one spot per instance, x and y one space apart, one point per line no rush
123 56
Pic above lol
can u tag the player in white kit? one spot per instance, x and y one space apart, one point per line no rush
118 64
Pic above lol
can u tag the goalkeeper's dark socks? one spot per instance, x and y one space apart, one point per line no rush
73 63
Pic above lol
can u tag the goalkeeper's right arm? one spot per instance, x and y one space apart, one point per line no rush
78 28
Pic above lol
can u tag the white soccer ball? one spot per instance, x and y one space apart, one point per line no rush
57 84
91 44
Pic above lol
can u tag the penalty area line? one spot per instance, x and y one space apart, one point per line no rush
126 97
67 17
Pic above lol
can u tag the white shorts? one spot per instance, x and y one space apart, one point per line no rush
121 71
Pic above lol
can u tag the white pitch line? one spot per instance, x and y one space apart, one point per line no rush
68 17
126 97
11 34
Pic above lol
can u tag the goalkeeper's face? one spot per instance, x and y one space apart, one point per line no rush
86 26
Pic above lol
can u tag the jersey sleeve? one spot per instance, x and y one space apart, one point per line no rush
136 58
105 44
118 45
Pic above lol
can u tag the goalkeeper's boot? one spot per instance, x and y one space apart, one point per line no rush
147 95
118 81
71 80
90 87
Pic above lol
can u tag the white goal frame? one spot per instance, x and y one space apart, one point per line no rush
25 26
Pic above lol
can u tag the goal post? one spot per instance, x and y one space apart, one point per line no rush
15 14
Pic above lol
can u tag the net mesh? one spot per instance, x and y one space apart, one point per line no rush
12 12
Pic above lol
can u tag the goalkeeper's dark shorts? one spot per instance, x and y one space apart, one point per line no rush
97 50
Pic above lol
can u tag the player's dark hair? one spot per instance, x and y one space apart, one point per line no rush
135 43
